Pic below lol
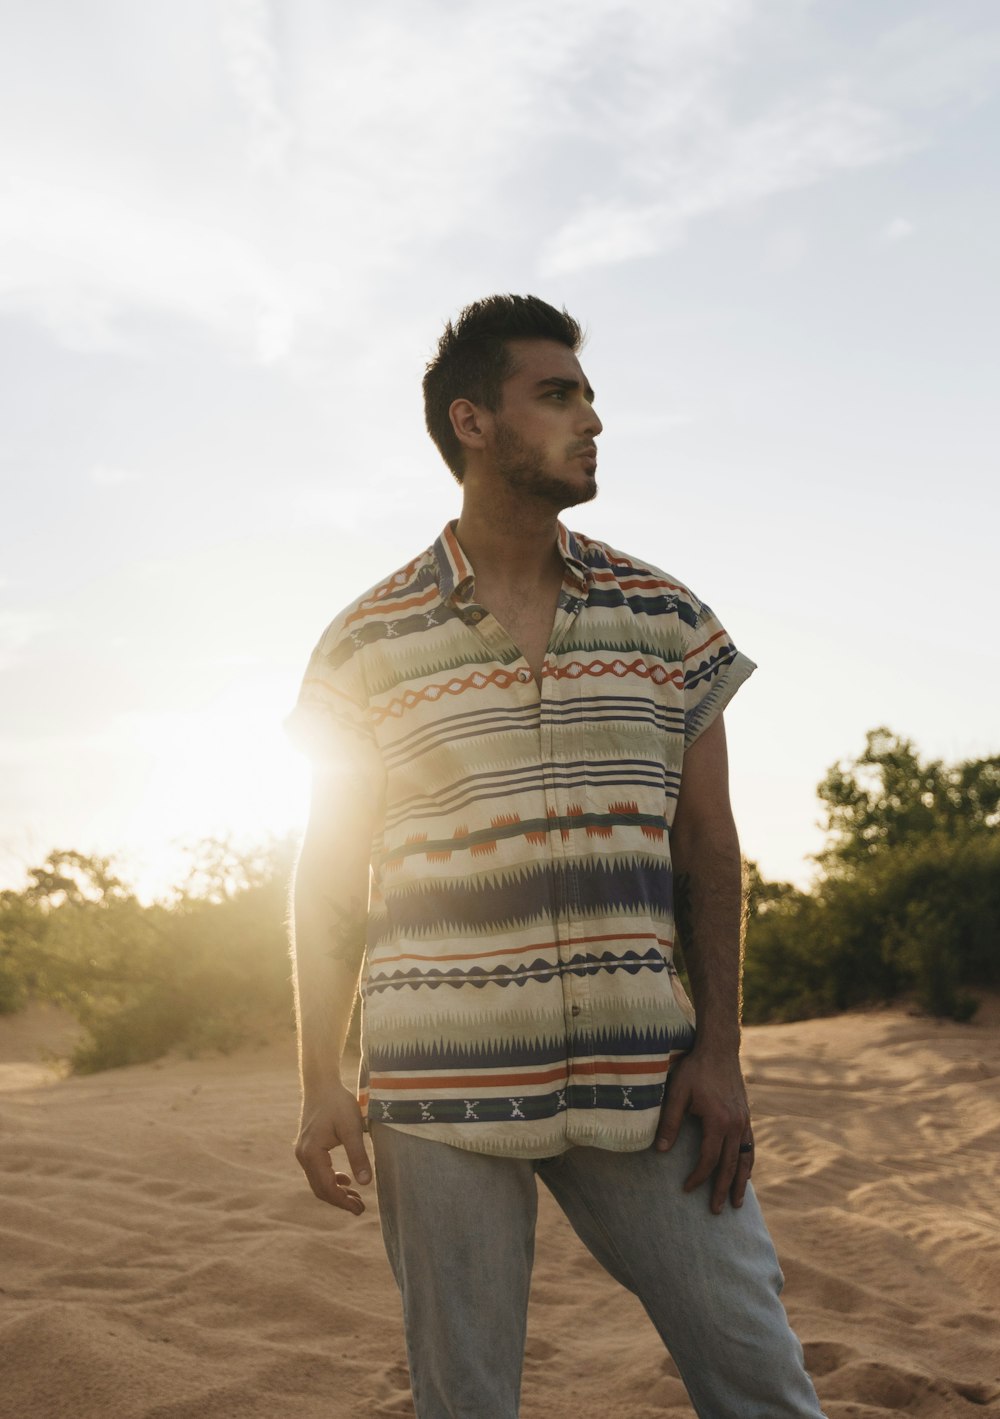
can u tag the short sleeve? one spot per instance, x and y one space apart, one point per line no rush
713 671
331 723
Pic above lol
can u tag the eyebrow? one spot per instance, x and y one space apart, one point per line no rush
556 382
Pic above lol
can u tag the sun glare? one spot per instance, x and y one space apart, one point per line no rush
224 771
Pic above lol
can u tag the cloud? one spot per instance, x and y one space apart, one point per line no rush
321 152
80 256
714 165
934 58
318 151
254 66
897 230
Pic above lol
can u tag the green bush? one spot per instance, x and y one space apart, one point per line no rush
208 970
908 900
907 903
921 919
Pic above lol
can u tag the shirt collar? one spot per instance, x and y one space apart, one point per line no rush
456 578
454 568
569 550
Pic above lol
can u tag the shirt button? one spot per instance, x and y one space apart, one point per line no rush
576 1010
524 675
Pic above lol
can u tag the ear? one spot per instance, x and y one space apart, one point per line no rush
467 421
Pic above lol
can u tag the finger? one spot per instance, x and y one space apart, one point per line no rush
325 1183
352 1138
708 1160
743 1170
671 1117
339 1193
725 1173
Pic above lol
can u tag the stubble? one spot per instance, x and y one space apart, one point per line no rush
521 467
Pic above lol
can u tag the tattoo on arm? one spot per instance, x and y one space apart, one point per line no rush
348 920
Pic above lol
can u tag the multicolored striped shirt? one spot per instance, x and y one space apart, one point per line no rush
518 989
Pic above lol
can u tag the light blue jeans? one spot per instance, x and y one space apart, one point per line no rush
459 1228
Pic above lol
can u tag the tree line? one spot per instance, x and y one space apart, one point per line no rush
905 903
906 900
206 969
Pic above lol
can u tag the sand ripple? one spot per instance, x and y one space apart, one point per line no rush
161 1258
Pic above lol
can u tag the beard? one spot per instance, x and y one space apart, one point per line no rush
521 467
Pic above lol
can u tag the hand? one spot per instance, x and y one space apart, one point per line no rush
332 1120
711 1087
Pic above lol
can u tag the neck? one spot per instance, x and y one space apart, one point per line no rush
517 545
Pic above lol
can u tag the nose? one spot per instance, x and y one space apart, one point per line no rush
592 423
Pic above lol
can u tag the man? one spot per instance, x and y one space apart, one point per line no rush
520 769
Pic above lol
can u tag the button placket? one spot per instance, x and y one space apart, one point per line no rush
576 995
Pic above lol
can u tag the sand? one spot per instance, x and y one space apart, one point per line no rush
161 1255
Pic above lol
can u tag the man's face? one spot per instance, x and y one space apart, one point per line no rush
544 431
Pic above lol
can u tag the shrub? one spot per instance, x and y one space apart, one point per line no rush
921 919
208 969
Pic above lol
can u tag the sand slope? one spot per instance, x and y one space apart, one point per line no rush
161 1256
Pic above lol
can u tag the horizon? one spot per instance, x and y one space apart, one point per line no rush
231 241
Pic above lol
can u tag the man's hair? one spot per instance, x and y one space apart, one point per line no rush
473 360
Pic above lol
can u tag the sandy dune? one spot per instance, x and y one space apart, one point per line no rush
161 1256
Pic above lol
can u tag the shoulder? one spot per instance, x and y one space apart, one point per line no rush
367 618
645 586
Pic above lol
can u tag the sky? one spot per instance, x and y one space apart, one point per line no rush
230 234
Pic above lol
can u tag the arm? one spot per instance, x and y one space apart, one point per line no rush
708 1082
330 912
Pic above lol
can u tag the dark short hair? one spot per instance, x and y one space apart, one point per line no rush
472 360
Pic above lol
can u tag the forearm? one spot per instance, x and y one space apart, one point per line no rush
708 904
708 907
330 912
328 948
